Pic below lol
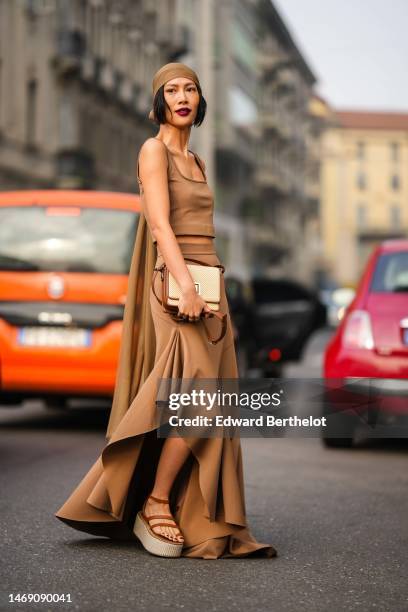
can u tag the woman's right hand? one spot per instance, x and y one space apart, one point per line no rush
191 305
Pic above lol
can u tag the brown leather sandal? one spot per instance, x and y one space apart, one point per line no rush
157 516
153 542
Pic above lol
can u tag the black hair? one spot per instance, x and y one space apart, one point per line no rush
159 107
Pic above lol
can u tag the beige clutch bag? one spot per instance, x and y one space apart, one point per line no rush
207 281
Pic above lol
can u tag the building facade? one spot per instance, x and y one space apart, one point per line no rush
76 88
75 92
286 203
364 187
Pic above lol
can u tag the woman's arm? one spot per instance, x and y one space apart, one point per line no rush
153 175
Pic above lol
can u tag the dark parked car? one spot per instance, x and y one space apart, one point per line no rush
240 306
274 318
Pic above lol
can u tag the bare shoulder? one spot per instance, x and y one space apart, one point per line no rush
153 153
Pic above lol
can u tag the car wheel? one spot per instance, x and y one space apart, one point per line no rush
340 427
10 400
337 442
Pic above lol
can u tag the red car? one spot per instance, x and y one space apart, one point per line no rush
366 361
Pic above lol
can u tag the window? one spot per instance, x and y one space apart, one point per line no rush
395 182
243 47
361 180
391 273
394 146
31 112
243 109
361 216
90 240
67 121
361 150
395 216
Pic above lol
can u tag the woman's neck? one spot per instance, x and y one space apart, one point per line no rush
175 139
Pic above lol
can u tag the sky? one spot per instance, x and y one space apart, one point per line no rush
357 50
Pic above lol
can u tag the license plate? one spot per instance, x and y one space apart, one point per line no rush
405 336
54 336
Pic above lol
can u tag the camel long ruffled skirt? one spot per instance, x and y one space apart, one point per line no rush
207 497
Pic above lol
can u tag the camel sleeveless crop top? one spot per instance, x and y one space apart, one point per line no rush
191 200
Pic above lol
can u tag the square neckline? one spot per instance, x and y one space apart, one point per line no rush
178 169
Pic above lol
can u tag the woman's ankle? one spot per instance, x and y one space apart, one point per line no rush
160 494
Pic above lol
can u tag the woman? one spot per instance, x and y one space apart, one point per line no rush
181 496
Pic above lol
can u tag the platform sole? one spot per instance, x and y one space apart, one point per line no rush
153 543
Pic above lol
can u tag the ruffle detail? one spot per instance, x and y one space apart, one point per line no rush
208 495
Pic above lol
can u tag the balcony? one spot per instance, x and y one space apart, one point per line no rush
313 190
286 81
175 39
275 122
126 91
267 241
74 169
70 49
268 60
181 42
150 7
270 121
270 179
118 80
142 101
284 128
88 68
107 77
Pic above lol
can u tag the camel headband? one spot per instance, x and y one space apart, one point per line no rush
168 72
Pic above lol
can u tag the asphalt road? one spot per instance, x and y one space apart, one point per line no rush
338 518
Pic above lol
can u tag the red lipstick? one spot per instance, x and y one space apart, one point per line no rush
183 112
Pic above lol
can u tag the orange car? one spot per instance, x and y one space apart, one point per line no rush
64 262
